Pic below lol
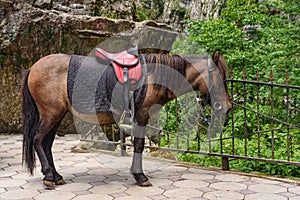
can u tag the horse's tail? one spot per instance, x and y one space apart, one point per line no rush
30 117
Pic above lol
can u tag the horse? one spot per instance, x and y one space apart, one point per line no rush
45 103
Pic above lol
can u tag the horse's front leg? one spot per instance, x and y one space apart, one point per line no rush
137 166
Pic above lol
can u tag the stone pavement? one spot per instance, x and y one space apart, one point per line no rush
106 177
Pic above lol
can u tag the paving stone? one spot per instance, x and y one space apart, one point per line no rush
212 180
111 179
198 198
177 178
183 193
206 189
12 153
107 189
81 192
167 187
103 171
62 163
13 188
202 171
174 168
12 183
33 185
7 173
74 170
86 164
160 181
195 176
165 174
232 177
104 176
287 194
138 191
119 194
93 197
55 195
12 161
264 196
246 192
20 194
74 158
157 197
249 182
74 187
191 184
133 198
13 168
5 179
150 165
25 176
295 190
89 179
267 188
228 186
265 180
3 165
295 198
221 194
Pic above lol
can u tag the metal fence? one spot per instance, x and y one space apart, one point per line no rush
264 125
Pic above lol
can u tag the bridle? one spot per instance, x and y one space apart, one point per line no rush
210 91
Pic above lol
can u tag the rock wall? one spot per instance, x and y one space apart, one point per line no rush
29 31
176 12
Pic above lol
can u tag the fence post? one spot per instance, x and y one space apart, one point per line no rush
225 163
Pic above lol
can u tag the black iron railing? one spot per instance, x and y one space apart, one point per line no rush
264 120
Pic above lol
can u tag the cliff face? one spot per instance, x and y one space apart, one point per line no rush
176 12
29 31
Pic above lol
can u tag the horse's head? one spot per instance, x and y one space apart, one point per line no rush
216 92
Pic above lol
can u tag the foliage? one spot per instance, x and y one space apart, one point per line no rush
250 37
150 10
255 37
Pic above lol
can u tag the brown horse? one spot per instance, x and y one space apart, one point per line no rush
45 103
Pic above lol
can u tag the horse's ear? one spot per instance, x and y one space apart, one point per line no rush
216 56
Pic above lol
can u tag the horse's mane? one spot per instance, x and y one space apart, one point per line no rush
156 64
163 67
174 61
223 68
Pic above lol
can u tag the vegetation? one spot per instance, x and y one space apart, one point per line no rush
150 10
253 36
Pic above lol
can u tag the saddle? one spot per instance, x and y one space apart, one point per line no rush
126 64
128 70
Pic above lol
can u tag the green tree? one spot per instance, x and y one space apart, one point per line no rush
255 36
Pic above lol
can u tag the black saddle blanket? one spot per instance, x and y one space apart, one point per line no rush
93 87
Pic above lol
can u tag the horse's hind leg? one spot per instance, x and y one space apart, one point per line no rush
44 127
57 178
42 143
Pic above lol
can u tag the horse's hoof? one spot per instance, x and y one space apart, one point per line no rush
60 182
48 185
145 184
